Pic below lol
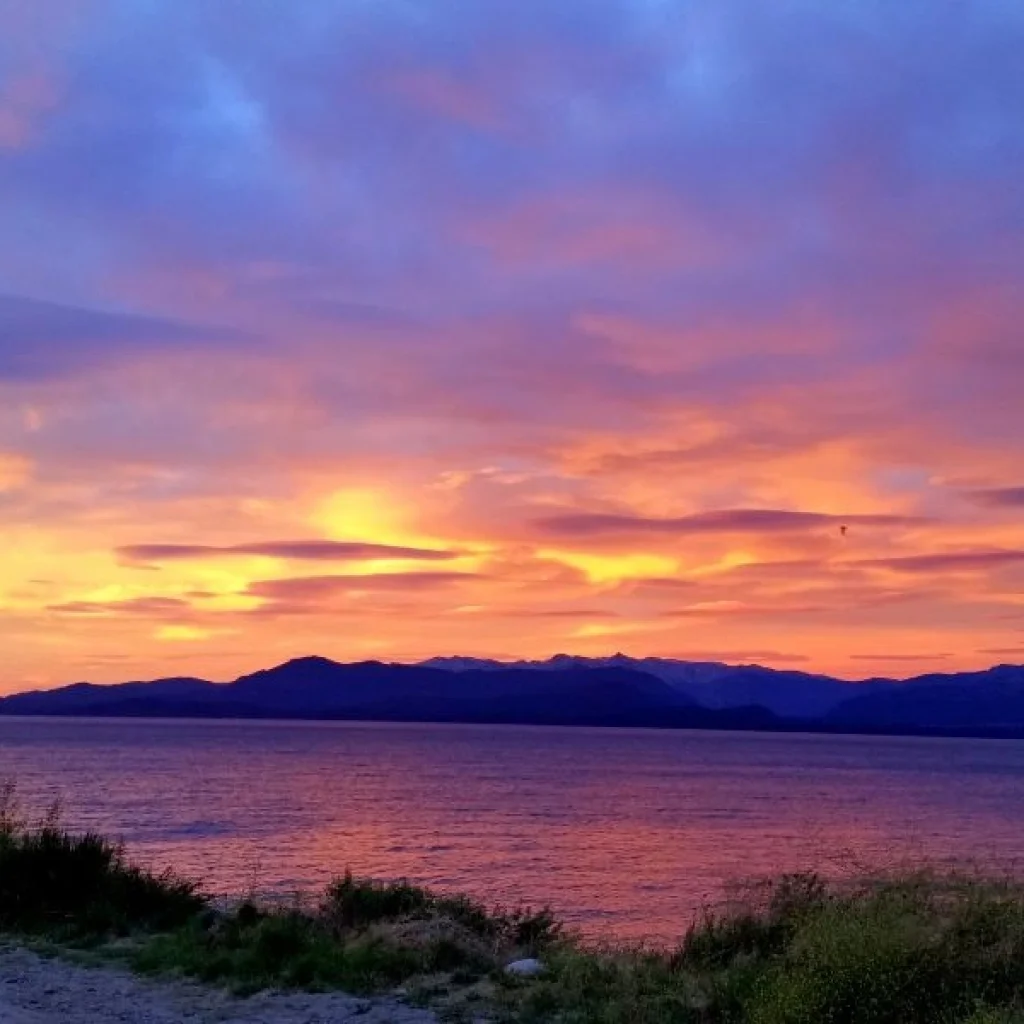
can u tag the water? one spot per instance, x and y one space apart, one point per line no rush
624 832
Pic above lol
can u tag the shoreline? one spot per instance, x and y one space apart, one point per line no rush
784 728
130 946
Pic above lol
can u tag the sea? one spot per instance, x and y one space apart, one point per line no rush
627 834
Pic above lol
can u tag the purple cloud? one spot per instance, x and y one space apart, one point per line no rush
45 339
296 550
724 521
999 497
952 561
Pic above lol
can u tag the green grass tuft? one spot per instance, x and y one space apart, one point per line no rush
282 949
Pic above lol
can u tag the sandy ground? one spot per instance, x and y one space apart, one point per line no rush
34 990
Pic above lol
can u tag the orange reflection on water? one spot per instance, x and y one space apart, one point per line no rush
625 833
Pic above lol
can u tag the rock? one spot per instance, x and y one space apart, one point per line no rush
525 968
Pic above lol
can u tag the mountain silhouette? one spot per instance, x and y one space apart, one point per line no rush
992 700
566 690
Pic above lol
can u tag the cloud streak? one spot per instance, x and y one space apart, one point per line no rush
313 588
287 550
147 606
40 340
999 497
896 657
723 521
951 561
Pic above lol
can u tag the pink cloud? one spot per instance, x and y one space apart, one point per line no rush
900 657
311 588
439 92
26 100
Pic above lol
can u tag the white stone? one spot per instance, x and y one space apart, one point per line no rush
525 968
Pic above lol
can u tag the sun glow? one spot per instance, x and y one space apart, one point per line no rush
364 514
177 634
601 568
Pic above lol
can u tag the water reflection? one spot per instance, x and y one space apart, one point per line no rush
623 832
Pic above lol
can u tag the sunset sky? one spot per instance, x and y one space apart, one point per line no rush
508 327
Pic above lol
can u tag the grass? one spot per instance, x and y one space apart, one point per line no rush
364 936
913 948
919 948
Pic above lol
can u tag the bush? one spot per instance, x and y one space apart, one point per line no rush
778 907
53 882
917 949
631 986
364 936
354 904
351 903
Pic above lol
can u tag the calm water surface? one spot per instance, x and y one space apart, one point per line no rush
625 832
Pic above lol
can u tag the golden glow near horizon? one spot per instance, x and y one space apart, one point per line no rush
746 584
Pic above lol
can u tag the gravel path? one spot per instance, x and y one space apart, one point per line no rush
35 990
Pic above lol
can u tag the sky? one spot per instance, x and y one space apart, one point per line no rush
396 329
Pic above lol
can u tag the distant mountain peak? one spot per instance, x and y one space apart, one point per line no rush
307 661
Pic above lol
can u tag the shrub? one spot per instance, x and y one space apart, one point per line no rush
631 986
777 909
351 903
915 949
55 882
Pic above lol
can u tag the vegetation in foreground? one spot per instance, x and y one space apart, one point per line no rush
913 949
921 948
361 936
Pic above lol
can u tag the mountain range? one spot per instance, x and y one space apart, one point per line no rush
567 690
